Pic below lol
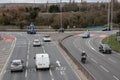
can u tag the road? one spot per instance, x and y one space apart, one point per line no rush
23 49
101 66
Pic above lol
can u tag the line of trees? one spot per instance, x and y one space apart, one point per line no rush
73 14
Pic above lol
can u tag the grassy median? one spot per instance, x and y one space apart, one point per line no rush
113 43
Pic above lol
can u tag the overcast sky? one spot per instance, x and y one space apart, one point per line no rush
44 1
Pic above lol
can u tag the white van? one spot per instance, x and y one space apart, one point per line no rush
42 61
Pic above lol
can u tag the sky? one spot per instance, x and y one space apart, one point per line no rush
44 1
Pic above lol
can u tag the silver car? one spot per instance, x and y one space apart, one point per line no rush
36 42
17 65
47 38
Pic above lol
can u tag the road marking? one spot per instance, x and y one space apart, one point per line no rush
11 51
62 72
26 74
115 77
58 62
112 60
93 48
104 68
27 64
43 49
27 57
52 78
94 60
50 72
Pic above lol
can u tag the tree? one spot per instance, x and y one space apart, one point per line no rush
54 8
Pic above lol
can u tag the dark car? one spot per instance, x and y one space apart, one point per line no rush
105 48
31 31
86 35
106 29
61 30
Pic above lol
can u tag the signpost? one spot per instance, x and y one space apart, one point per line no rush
118 38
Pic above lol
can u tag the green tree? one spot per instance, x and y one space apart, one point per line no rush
54 8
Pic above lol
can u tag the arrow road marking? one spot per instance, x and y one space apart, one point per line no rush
58 62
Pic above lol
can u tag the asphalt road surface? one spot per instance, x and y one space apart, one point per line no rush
23 49
101 66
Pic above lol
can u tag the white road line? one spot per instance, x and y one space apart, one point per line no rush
112 60
11 51
115 77
27 64
94 60
26 74
104 68
93 48
27 57
51 72
43 49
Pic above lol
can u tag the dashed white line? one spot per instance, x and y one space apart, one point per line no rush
26 74
112 60
51 74
104 68
43 49
27 64
94 60
27 57
115 77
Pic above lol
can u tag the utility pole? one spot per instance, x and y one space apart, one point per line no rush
111 25
108 14
61 13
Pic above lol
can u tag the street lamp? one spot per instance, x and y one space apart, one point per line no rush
61 13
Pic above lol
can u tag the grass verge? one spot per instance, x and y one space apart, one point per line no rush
113 43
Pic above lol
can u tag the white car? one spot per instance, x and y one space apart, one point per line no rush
36 42
46 38
16 65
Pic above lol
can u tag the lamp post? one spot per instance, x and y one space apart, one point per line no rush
61 13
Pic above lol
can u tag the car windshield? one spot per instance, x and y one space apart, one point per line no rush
106 46
47 36
16 63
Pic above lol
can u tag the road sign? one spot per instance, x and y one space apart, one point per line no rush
118 38
31 26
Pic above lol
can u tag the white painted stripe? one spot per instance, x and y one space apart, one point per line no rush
115 77
112 60
26 74
104 68
94 60
27 64
51 72
43 49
